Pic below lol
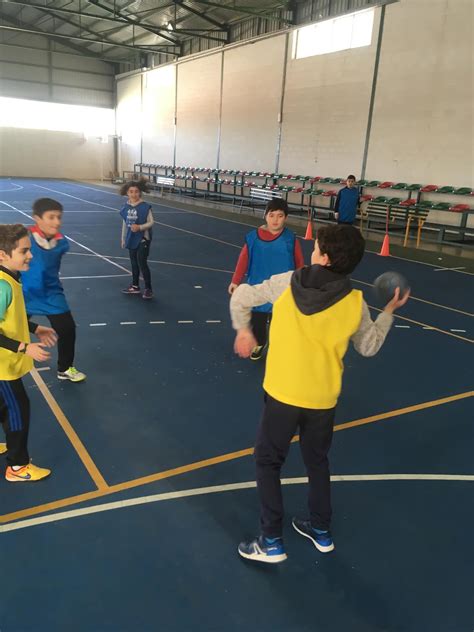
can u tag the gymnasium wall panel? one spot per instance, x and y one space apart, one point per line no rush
43 75
325 110
129 121
422 127
251 103
47 154
198 102
158 115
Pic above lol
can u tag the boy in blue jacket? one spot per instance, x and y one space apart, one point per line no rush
347 201
43 291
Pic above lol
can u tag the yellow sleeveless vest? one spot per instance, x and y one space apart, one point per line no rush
15 326
305 355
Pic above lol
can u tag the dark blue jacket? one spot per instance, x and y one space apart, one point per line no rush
346 204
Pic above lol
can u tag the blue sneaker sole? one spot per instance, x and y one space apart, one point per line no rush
320 547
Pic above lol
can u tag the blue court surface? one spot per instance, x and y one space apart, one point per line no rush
153 478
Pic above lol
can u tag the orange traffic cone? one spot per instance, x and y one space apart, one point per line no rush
385 250
309 228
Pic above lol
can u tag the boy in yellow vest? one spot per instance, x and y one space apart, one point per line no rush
17 354
316 313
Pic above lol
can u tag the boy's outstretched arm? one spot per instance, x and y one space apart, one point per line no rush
371 335
247 296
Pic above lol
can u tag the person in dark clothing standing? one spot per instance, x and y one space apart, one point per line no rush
347 201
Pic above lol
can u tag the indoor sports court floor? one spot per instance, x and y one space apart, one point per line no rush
152 486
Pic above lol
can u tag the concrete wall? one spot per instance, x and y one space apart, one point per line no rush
46 154
422 127
423 117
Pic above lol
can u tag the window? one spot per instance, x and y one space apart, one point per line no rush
349 31
90 121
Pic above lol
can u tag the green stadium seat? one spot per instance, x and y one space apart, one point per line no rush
446 189
400 186
441 206
463 191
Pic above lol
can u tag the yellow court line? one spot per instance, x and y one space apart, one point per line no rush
417 322
70 432
230 456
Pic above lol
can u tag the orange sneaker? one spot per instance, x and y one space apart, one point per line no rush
26 474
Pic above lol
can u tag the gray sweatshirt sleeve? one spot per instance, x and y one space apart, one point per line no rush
247 296
371 335
149 222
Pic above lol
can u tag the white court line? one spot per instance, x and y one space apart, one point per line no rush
97 324
213 321
448 269
98 276
432 328
43 368
403 326
165 263
198 287
185 322
200 491
18 188
233 221
190 232
129 322
461 331
157 322
235 246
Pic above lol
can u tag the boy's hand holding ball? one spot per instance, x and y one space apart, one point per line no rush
244 343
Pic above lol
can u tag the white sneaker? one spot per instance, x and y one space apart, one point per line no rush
72 374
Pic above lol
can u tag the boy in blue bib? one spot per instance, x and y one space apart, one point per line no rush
44 293
270 249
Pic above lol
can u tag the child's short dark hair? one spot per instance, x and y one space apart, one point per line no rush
141 184
10 235
351 177
42 205
276 204
343 244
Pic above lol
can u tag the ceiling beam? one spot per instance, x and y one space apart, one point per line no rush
86 39
220 25
81 52
52 9
79 49
247 11
161 32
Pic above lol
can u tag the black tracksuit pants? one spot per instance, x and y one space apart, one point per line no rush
139 263
15 418
260 322
278 425
65 327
